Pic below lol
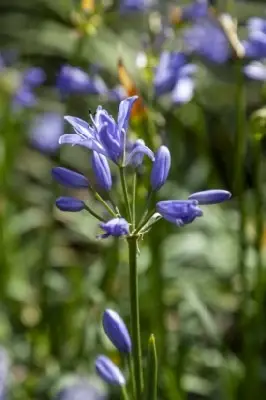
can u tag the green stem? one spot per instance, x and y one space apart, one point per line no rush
94 213
108 208
132 374
144 222
134 200
134 307
125 192
124 393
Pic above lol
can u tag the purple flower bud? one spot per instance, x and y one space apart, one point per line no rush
160 168
211 196
115 227
116 330
69 178
109 372
179 212
101 171
69 204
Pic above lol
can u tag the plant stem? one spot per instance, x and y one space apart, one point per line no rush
132 374
94 213
124 393
144 222
134 307
101 200
134 200
125 192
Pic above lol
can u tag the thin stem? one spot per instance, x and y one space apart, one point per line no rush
125 192
108 208
134 307
134 200
94 213
132 374
124 393
144 222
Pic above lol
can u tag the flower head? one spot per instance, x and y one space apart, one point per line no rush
179 212
116 331
71 204
115 227
105 135
160 168
109 372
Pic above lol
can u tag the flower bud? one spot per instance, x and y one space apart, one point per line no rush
211 196
72 204
116 331
109 372
102 171
179 212
160 168
69 178
115 227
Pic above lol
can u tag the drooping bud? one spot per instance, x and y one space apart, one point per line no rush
109 372
211 196
161 167
71 204
179 212
116 331
101 171
69 178
115 227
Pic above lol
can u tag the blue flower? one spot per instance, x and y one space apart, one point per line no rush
179 212
109 372
33 77
75 80
207 39
255 45
69 178
256 70
116 331
256 24
105 136
174 75
194 11
115 227
45 130
71 204
213 196
101 171
160 168
23 98
135 5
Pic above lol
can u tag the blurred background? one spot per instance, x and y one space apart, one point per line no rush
202 287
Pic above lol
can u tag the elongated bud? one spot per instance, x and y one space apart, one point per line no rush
152 371
109 372
69 204
101 171
69 178
211 196
161 167
116 330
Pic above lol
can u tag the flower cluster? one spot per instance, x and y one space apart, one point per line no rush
116 331
108 141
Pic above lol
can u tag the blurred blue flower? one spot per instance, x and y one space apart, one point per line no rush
115 227
207 39
135 5
45 130
101 171
256 70
82 390
160 168
33 77
179 212
116 331
24 97
118 93
213 196
255 45
109 372
256 24
198 9
174 75
74 80
104 135
69 178
71 204
4 369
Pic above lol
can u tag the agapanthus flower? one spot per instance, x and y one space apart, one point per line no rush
256 70
45 130
74 80
174 75
116 331
81 390
160 168
105 135
181 212
109 372
115 227
208 40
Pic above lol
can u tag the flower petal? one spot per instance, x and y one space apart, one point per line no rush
183 90
138 150
125 108
256 70
69 178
